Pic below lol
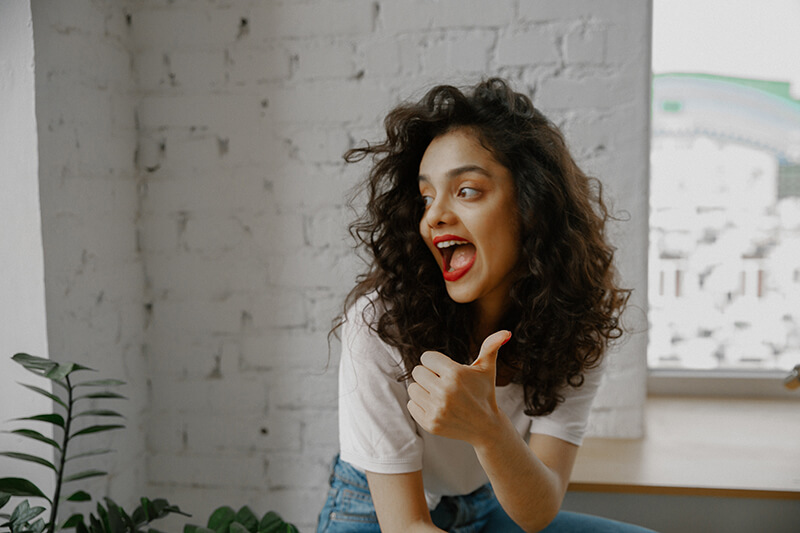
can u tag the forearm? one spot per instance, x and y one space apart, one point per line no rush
529 491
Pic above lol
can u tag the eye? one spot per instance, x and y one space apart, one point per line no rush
468 192
426 200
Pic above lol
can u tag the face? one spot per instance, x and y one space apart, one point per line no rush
470 223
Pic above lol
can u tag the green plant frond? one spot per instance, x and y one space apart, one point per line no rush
16 486
80 496
89 454
60 371
38 526
100 383
84 475
30 458
51 418
236 527
72 521
96 429
221 518
114 517
45 393
4 497
37 365
95 524
246 517
102 514
24 513
35 435
99 412
105 394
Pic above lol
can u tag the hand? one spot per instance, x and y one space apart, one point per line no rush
454 400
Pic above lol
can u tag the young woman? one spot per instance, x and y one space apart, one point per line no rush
482 233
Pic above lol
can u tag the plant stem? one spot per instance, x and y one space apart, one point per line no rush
51 527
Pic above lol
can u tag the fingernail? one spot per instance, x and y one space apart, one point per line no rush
507 338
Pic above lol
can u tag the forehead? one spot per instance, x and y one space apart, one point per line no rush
455 149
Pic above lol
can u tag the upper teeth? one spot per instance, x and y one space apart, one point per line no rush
447 244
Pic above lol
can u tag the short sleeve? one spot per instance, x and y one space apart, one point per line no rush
569 420
376 431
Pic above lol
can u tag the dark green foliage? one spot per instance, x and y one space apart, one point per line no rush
226 520
110 518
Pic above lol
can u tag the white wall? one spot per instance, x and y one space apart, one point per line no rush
246 109
193 205
23 325
85 106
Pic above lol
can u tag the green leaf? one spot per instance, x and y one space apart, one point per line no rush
96 429
247 518
99 412
25 513
100 383
115 521
45 393
72 521
20 487
38 526
270 522
37 365
52 418
80 496
63 370
236 527
221 518
35 435
4 497
84 475
95 525
30 458
106 394
89 454
196 529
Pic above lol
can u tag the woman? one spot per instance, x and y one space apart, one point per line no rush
482 232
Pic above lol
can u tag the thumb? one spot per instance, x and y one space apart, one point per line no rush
487 358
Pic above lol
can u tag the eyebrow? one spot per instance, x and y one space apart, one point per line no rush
452 173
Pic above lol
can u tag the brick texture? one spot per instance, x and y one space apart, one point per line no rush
194 204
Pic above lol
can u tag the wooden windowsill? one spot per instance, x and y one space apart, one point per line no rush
701 446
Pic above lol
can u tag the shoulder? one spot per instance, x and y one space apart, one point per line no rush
360 340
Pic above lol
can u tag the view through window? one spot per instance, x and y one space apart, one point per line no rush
724 254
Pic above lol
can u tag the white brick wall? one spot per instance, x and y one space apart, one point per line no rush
229 235
85 98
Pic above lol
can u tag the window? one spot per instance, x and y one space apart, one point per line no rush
724 254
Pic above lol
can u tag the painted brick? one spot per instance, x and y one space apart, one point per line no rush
586 46
216 470
272 20
215 396
325 60
445 14
532 47
297 349
589 92
249 65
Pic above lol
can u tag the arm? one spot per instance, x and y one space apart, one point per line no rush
458 401
399 501
530 480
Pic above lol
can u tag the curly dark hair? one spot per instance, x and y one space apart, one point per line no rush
565 307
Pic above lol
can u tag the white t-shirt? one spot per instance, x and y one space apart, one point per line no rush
377 433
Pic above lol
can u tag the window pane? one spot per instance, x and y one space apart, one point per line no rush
725 186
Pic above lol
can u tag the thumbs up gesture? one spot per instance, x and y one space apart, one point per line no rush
454 400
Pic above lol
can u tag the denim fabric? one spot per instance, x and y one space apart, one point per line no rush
349 509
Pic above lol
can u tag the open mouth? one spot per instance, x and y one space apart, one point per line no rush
458 256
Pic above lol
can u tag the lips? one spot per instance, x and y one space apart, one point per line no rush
458 256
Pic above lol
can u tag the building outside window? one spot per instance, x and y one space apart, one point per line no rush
724 254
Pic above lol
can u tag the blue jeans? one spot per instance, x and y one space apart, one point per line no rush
349 509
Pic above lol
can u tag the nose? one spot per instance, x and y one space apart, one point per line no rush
439 213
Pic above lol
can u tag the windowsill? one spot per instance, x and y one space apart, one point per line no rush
701 446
